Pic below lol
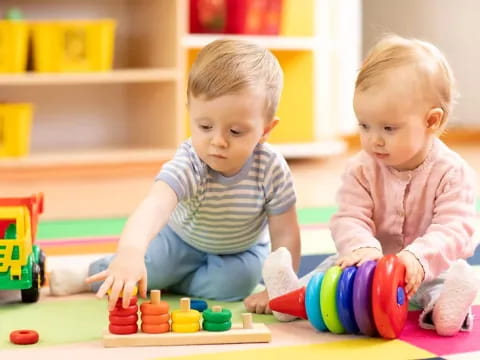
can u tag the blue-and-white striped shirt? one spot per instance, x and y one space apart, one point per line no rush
226 215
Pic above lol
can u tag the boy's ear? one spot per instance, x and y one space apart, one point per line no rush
434 119
268 128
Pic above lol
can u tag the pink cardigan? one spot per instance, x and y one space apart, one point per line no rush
429 211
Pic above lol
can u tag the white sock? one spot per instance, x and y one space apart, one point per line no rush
68 280
458 293
280 278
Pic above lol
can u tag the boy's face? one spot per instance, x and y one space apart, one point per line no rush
225 130
392 120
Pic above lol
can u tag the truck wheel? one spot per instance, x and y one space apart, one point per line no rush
31 295
41 262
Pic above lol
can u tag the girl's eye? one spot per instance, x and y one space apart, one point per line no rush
389 128
363 126
235 132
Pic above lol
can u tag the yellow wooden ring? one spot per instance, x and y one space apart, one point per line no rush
134 292
185 317
186 328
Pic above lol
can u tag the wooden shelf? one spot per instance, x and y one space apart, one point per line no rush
293 43
111 77
94 162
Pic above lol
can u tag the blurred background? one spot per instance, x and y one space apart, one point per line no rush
92 92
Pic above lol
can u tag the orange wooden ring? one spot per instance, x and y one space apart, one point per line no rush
119 311
155 319
123 329
155 328
123 320
148 308
24 337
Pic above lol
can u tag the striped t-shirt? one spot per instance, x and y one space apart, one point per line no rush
226 215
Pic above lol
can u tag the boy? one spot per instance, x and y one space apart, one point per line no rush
205 227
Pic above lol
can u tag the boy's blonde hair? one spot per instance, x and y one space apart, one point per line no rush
227 66
433 70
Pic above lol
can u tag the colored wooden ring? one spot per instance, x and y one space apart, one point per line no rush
24 337
155 319
345 300
133 301
148 308
199 305
119 311
389 302
312 302
186 328
123 329
134 292
123 320
217 316
213 326
155 328
185 317
362 298
328 304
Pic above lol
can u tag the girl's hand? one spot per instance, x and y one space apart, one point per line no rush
359 256
125 271
414 272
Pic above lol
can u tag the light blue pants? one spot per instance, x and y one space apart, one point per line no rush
174 265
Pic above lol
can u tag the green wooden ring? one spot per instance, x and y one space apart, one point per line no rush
213 326
328 300
217 316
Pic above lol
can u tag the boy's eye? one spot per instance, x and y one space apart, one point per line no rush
235 132
205 127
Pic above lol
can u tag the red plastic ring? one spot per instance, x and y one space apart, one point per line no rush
24 337
123 320
389 303
119 311
123 329
133 301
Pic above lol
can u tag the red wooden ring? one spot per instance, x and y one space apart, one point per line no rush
148 308
24 337
123 320
389 303
155 319
155 329
119 311
133 301
123 329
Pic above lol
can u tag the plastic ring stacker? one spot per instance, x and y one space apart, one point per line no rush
390 306
345 300
186 328
212 326
185 317
312 302
362 298
328 300
24 337
217 317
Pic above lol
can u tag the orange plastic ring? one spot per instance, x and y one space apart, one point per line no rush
148 308
24 337
155 319
155 328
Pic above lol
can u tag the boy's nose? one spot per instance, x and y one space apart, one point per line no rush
218 140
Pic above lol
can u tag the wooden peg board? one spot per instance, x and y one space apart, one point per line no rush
236 335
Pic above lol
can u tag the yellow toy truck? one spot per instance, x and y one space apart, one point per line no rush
22 263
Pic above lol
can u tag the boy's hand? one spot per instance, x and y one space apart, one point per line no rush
125 271
258 303
359 256
414 272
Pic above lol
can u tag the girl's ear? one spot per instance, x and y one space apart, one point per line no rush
268 128
434 119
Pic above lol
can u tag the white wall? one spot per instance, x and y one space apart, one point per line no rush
452 25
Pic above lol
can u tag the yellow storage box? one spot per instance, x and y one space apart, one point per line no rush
73 46
13 46
15 127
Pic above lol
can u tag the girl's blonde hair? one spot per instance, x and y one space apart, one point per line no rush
227 66
433 70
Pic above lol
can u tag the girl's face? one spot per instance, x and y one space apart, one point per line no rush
394 121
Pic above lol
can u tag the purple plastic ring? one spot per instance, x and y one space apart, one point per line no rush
362 298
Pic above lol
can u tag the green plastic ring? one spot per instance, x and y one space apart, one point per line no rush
328 300
213 326
217 316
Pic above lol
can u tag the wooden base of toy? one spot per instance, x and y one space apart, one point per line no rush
259 333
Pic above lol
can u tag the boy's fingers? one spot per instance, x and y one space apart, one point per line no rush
97 277
127 293
142 287
114 293
104 287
